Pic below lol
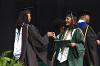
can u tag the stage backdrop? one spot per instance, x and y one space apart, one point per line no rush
44 12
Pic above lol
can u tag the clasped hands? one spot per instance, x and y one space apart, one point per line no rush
73 45
51 34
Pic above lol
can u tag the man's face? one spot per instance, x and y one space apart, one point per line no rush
29 17
68 20
87 17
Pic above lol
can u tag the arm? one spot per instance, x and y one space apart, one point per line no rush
77 37
35 38
77 42
91 39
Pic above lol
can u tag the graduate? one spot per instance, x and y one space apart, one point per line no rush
71 54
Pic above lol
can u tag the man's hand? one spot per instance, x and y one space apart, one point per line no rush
73 45
51 34
98 42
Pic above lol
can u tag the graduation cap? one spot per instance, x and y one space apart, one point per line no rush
71 13
84 12
27 8
24 8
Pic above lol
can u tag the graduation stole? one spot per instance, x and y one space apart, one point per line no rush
63 52
85 33
68 35
86 44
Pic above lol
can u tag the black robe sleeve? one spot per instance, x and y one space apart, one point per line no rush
35 38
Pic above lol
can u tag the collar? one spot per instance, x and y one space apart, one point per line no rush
81 21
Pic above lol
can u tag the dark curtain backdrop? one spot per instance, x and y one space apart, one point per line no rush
7 20
44 12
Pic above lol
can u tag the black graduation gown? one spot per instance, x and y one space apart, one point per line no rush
33 46
98 46
90 56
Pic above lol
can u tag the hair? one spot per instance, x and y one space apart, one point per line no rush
22 18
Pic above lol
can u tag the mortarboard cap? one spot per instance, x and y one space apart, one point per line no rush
24 8
84 12
71 13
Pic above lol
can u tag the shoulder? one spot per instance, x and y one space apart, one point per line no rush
32 27
77 30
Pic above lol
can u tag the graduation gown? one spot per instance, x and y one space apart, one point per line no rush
98 46
34 46
91 57
75 55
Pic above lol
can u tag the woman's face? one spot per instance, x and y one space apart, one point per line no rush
68 20
29 17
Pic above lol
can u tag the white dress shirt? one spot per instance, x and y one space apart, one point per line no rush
17 43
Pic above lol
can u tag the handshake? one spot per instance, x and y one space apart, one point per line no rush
51 34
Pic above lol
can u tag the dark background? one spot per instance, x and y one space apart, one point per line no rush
45 12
